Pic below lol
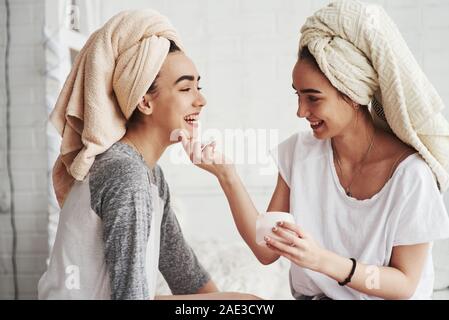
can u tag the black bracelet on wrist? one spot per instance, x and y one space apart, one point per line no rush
348 279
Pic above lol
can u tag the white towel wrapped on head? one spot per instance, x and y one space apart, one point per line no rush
113 71
362 53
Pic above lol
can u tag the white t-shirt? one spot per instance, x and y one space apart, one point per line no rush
408 210
116 230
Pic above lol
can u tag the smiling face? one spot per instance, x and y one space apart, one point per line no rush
320 103
177 101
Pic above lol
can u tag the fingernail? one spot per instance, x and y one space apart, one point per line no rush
267 239
280 223
275 229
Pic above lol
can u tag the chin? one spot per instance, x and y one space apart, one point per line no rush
323 133
320 135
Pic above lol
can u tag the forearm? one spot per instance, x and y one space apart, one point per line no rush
245 215
211 296
382 282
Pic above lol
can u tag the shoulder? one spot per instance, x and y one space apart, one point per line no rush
417 175
118 179
117 169
417 167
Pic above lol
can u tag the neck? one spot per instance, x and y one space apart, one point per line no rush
149 141
353 143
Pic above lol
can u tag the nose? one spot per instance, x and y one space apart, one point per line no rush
200 101
303 111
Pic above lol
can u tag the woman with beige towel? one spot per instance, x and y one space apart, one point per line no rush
131 86
364 189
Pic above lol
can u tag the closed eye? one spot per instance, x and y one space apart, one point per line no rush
188 89
310 98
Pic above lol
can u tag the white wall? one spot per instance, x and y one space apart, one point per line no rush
29 150
244 50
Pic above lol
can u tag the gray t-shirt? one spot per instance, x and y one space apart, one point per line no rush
119 185
102 246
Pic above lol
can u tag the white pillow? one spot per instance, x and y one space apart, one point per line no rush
233 267
440 255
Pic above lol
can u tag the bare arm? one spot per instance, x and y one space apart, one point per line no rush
209 292
243 210
211 296
280 201
397 281
245 214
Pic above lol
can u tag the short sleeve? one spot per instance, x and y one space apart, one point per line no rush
177 261
283 157
423 216
121 199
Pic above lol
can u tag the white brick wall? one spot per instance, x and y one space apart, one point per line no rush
246 65
244 49
29 154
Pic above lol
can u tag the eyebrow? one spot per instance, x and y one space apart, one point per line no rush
307 90
186 77
310 91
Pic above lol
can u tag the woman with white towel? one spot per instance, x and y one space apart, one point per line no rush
130 88
364 189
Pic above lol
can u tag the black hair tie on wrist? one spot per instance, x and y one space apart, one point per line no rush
348 279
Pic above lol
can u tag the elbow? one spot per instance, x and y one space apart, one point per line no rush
267 260
406 295
407 292
264 255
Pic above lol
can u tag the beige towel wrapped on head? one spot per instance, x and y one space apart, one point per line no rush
360 50
110 75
